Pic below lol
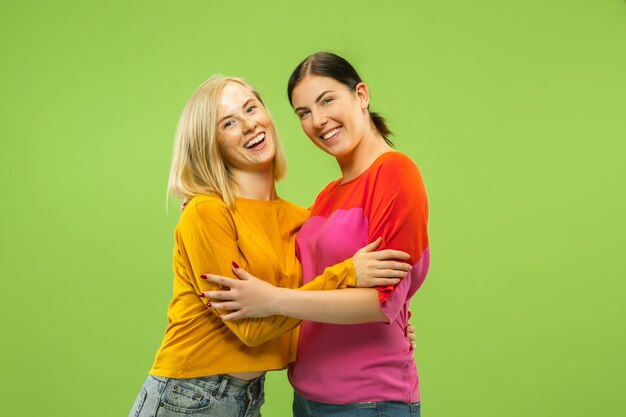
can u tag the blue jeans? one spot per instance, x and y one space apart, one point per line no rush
308 408
215 396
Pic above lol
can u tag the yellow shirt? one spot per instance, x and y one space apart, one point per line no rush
260 237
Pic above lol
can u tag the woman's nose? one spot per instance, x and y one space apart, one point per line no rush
319 120
248 124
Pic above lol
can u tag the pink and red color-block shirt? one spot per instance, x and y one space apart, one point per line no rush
341 364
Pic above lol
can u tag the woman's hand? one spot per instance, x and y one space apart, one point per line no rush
378 268
410 334
409 331
248 296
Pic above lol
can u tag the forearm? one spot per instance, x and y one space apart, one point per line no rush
255 331
347 306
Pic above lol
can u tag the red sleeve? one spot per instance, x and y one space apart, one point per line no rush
398 211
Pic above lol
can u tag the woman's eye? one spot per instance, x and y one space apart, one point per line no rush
250 109
327 100
228 124
303 114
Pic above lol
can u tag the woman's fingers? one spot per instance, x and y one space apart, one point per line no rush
390 254
400 266
226 305
383 282
235 315
388 273
370 247
217 295
219 279
410 334
242 273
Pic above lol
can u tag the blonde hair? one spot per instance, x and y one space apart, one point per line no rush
197 165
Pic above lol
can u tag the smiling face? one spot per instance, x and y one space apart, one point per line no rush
334 117
245 131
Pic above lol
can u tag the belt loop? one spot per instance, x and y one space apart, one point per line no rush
222 388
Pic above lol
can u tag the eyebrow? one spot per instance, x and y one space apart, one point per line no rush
224 118
230 115
246 103
316 100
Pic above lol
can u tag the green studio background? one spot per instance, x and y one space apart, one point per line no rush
514 111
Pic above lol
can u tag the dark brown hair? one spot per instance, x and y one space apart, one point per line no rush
327 64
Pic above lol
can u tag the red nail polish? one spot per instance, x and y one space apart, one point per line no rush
235 265
219 317
208 304
203 276
202 295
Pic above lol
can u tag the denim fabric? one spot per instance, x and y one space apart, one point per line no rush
215 396
308 408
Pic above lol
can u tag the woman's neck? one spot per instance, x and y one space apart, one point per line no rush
363 155
256 185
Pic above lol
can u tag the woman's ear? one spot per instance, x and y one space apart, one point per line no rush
363 95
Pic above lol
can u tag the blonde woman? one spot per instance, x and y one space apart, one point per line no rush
227 158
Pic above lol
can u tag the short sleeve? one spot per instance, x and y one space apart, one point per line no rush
398 213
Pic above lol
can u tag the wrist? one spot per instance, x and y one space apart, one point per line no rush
277 301
351 281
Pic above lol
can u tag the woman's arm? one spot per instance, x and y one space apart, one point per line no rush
366 269
398 214
349 306
252 297
206 236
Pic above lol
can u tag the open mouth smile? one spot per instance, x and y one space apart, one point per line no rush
331 133
255 141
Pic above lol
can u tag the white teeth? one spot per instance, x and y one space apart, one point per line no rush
331 133
254 141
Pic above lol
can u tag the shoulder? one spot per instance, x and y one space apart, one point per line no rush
395 177
396 168
395 184
207 203
205 209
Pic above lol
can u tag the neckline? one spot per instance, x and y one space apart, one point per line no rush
253 201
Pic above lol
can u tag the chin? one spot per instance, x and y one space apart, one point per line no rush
338 151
